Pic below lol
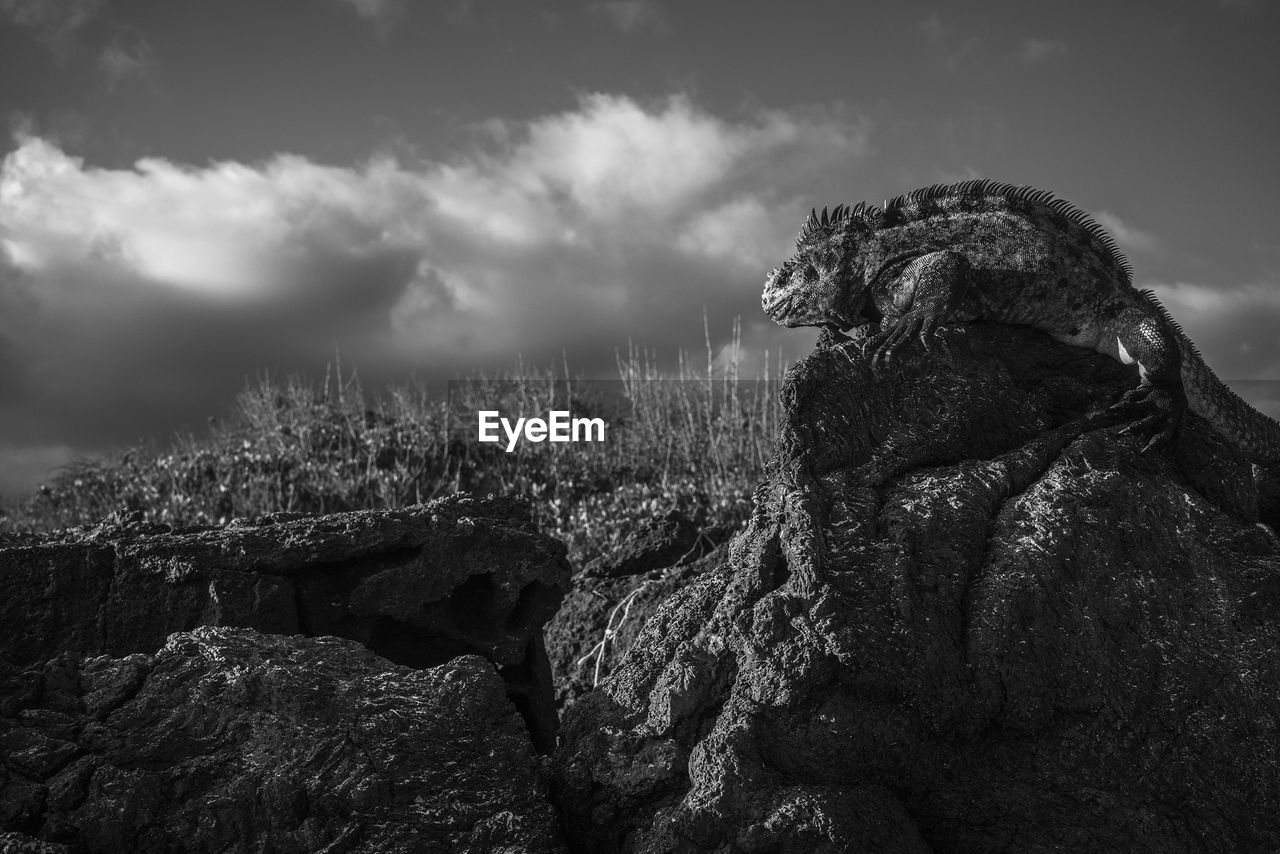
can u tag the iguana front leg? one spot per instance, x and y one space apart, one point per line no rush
921 299
1156 407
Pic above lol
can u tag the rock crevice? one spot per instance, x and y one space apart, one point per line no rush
419 586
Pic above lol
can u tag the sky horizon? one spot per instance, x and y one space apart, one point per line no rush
192 194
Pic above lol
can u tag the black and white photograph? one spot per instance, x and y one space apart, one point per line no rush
636 426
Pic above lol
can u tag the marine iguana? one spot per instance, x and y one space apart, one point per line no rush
992 251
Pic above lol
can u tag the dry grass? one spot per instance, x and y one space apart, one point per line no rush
688 439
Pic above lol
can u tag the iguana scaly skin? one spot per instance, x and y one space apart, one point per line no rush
992 251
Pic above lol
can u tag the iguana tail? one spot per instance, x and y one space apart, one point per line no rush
1255 434
1252 432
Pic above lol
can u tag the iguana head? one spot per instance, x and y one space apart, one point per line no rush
823 283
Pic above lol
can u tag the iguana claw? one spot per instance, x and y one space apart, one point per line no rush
1154 411
914 324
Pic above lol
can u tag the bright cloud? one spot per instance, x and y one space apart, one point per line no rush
1130 237
226 230
1189 300
1234 327
133 299
741 233
610 176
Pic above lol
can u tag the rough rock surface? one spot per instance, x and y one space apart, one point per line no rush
21 843
229 740
660 543
418 586
964 618
620 607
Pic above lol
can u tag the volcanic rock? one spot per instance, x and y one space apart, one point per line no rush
231 740
968 615
419 586
657 544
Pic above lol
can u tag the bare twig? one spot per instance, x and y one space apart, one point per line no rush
612 626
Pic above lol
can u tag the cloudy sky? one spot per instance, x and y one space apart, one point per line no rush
193 193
